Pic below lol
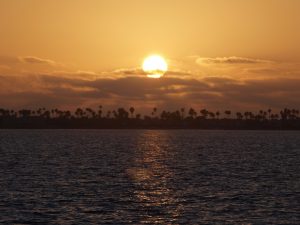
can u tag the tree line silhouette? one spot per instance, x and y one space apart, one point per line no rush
128 118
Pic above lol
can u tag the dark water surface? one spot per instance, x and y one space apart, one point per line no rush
149 177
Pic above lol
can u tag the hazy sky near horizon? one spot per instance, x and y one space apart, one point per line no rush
221 53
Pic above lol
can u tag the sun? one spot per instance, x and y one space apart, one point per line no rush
155 66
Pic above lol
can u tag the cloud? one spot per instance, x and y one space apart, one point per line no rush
129 71
168 92
138 72
230 60
237 84
9 60
36 60
85 75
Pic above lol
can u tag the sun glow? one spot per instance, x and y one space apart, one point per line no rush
155 66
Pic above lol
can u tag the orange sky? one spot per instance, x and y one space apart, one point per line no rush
221 53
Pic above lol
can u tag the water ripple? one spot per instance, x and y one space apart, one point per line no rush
149 177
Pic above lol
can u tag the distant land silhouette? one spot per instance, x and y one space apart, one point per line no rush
42 118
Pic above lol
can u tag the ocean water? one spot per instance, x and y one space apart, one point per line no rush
149 177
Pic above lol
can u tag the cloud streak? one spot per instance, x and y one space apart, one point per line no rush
139 72
36 60
230 60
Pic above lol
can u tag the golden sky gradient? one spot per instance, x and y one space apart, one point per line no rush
221 53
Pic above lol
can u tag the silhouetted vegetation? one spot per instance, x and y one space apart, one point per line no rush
123 118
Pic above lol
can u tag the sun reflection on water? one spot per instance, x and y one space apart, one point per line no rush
151 176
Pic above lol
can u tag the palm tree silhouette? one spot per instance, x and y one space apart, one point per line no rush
167 119
192 113
154 111
108 114
182 112
218 114
131 109
228 113
204 113
239 116
79 113
100 111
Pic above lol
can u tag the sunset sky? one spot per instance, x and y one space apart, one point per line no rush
221 54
